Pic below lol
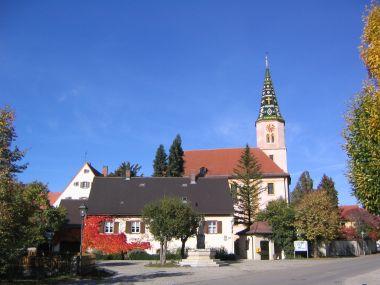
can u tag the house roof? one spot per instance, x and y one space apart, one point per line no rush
354 213
53 196
118 196
261 227
222 162
73 217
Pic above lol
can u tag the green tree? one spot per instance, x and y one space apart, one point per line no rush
362 133
25 212
9 156
281 216
317 218
175 160
123 167
246 188
160 163
187 225
303 186
162 218
328 184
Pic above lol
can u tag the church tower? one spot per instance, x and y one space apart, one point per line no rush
270 125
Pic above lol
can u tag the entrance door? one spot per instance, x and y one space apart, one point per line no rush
264 246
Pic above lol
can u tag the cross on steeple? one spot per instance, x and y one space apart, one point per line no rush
269 109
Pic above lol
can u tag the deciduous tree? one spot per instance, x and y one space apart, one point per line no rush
362 133
246 188
281 216
317 218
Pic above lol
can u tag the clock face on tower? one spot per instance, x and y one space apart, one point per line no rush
270 128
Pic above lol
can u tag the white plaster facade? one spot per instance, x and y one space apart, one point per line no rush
250 247
225 239
80 185
273 147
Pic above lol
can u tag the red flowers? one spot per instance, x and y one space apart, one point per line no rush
107 243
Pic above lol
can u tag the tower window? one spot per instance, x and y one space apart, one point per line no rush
270 187
272 138
268 138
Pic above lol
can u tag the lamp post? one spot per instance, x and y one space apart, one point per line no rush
83 213
362 233
49 236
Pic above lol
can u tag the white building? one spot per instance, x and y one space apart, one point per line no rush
79 186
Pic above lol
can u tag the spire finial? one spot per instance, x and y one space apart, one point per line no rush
266 60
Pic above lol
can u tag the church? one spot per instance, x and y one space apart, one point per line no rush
116 203
270 150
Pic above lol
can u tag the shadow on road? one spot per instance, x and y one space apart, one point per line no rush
143 277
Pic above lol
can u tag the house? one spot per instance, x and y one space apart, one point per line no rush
79 186
120 201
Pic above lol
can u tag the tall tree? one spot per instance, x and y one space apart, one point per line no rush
25 212
328 184
317 218
246 188
160 163
123 167
176 162
303 186
362 133
281 216
9 157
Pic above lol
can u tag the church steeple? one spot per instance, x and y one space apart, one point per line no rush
269 109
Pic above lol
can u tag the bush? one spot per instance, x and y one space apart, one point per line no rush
222 254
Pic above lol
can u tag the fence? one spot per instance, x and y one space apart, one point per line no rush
348 248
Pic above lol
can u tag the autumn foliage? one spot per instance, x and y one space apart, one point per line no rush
107 243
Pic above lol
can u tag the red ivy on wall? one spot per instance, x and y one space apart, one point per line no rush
107 243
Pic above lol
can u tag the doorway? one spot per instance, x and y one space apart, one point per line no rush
264 246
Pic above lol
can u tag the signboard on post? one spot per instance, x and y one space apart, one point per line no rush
301 245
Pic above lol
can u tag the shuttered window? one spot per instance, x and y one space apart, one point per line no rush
135 227
108 227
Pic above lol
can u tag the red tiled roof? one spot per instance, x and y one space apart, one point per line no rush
354 212
260 228
53 196
221 162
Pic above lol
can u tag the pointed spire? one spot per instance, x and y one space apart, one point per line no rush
269 109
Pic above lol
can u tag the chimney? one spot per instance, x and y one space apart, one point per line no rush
105 171
128 174
193 178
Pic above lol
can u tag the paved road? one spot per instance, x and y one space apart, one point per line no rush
341 271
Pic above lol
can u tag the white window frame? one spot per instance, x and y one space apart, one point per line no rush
109 227
212 227
135 227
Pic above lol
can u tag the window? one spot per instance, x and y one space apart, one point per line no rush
268 138
135 227
184 199
271 156
212 227
272 137
76 184
270 188
86 171
108 227
85 185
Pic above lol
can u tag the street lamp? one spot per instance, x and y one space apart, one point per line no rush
83 213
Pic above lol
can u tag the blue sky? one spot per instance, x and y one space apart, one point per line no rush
117 78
